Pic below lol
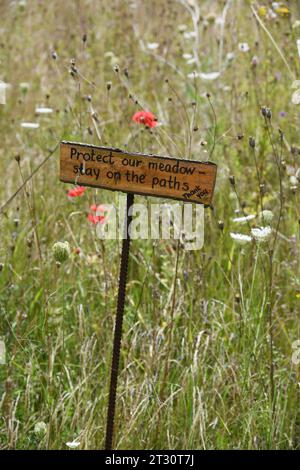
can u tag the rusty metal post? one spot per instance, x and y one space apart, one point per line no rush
118 329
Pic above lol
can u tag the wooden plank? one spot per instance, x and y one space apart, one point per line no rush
151 175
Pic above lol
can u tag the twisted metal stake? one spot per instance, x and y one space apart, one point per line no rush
118 329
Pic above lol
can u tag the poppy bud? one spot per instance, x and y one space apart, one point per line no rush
254 61
232 180
262 189
252 142
221 225
264 111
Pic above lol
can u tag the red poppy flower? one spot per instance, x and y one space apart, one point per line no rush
77 191
95 208
96 217
145 117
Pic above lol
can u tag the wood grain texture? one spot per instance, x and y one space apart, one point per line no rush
151 175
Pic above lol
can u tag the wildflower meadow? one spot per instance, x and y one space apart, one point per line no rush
210 351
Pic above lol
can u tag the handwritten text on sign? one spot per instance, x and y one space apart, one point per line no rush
151 175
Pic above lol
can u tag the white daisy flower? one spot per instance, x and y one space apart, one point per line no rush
3 87
271 14
189 34
152 45
2 352
204 76
294 180
261 234
230 56
298 46
30 125
182 28
243 220
296 94
42 110
109 55
244 47
240 238
220 20
73 444
187 56
209 76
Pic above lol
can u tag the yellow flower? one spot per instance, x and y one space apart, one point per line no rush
298 296
262 11
282 10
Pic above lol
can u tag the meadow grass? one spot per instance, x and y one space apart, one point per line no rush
206 359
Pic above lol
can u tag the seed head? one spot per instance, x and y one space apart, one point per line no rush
61 251
266 216
40 428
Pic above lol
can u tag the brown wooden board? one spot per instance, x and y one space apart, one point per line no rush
151 175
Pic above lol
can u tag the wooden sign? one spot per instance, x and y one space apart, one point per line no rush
133 173
151 175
